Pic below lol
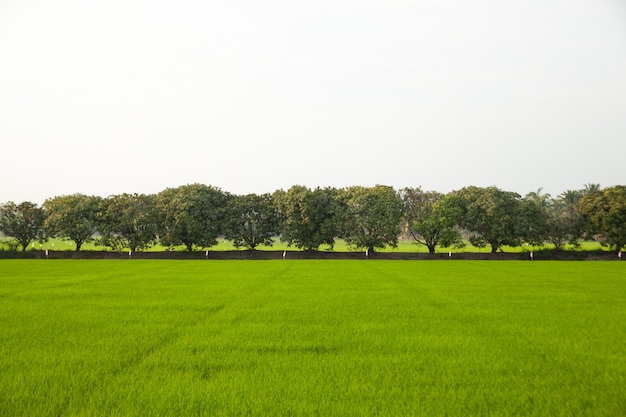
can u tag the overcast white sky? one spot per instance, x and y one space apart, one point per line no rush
106 97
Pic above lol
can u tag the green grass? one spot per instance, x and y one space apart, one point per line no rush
312 338
340 246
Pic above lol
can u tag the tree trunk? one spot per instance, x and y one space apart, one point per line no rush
79 243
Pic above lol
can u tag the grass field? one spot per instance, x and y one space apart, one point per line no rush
312 338
340 246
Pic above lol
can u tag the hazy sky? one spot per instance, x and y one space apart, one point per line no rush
106 97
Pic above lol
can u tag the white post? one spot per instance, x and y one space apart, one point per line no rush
619 255
532 255
284 254
130 253
46 253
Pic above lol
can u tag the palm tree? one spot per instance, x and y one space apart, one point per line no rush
565 219
571 198
590 188
539 197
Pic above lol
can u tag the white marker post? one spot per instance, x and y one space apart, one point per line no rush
207 254
532 256
284 254
619 255
46 253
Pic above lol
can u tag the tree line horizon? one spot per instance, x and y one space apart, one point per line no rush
196 215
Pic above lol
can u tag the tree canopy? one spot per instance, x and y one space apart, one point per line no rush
196 215
371 217
191 215
603 213
74 216
431 217
494 217
24 222
308 217
251 221
128 221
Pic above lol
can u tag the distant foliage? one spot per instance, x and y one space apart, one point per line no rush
370 218
430 218
23 222
191 215
128 221
74 216
492 216
251 220
308 218
603 212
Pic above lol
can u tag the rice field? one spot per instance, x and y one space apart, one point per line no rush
312 338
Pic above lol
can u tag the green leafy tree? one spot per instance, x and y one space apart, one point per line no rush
562 225
532 221
492 216
23 222
74 216
430 218
372 217
251 221
535 213
539 198
569 201
129 221
603 213
308 218
191 215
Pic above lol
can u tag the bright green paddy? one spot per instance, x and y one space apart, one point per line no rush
312 338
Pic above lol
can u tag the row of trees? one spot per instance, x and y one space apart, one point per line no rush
196 215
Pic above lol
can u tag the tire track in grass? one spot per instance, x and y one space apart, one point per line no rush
409 285
155 340
445 301
55 275
435 335
256 297
468 325
252 291
109 375
498 331
248 296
